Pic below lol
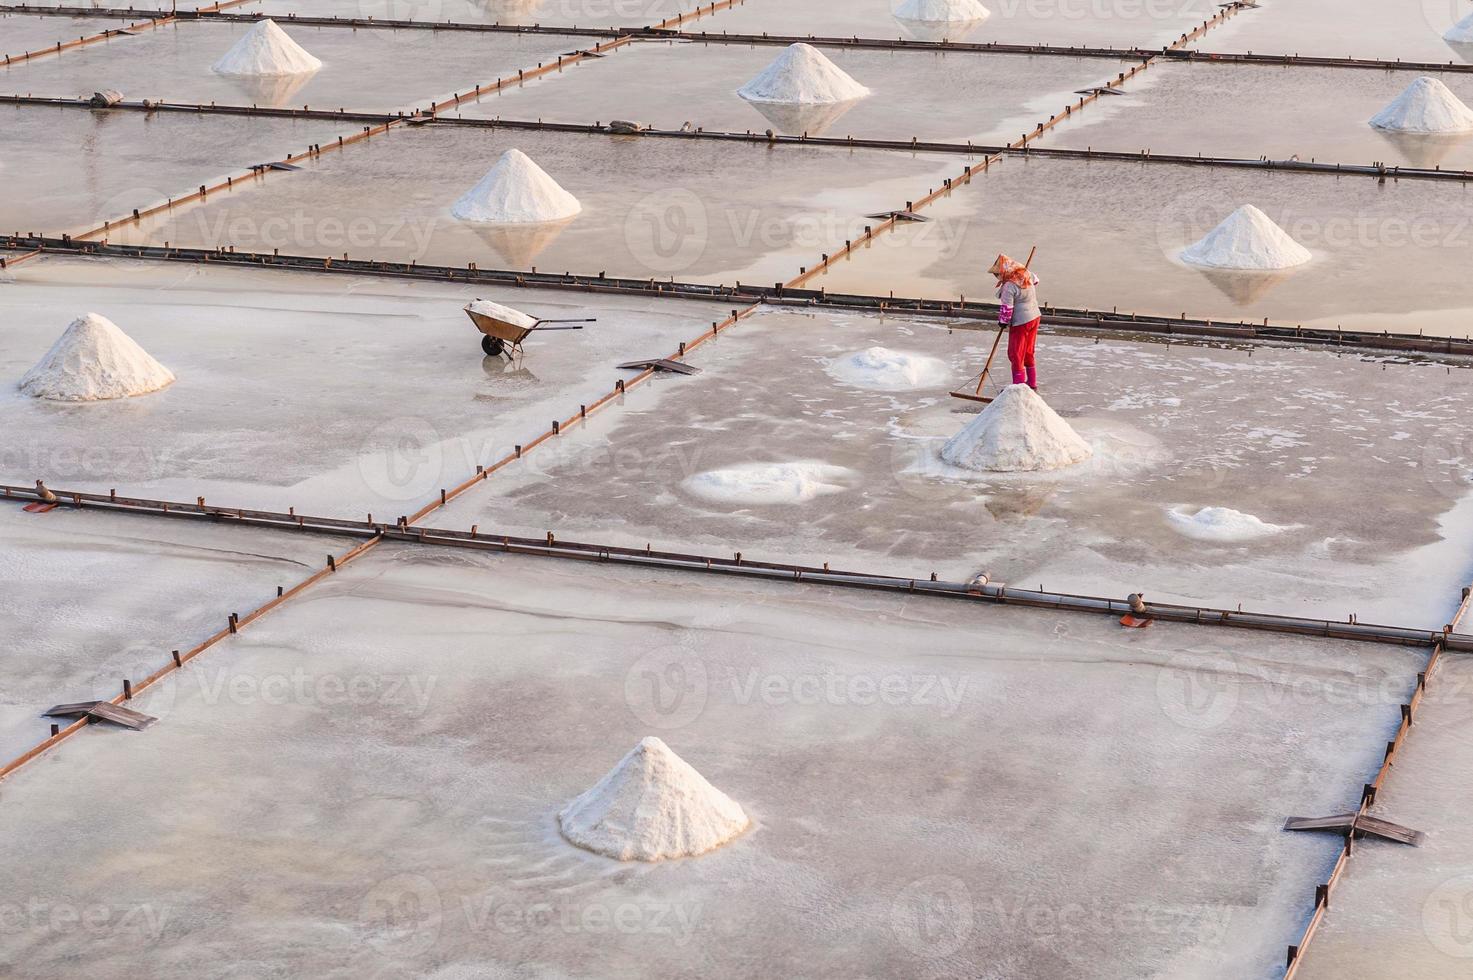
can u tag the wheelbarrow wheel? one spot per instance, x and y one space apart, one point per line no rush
492 345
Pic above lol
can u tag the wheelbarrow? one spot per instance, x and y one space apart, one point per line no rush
503 329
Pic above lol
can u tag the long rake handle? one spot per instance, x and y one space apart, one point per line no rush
996 342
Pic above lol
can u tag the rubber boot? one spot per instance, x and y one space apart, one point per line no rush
1017 376
1033 378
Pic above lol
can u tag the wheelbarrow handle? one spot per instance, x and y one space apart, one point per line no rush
589 320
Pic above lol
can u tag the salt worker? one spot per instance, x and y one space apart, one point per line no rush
1017 309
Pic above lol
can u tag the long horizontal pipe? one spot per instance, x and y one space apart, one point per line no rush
401 530
1112 321
968 148
1128 53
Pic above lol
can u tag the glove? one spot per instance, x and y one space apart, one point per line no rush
1004 316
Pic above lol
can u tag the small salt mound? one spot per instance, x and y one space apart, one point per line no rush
1221 524
1461 32
943 11
1427 106
1018 432
802 75
1247 239
516 191
882 369
266 50
94 361
515 317
652 806
769 483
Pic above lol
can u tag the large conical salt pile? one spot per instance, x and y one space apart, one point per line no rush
1018 432
1247 239
802 75
94 360
516 191
266 50
652 806
1461 32
943 11
1427 106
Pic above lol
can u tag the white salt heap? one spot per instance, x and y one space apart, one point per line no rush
1461 32
1249 240
505 313
801 75
1427 106
652 806
882 369
769 483
943 11
93 361
1018 432
516 191
266 50
1221 524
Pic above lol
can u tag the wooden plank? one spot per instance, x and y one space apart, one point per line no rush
1389 831
70 710
660 364
126 717
1341 822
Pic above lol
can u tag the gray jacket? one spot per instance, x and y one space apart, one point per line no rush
1024 302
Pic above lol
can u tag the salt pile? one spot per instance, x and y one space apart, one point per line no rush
1427 106
266 50
1221 524
1018 432
1461 32
516 191
943 11
93 361
769 483
1248 239
652 806
802 75
882 369
506 313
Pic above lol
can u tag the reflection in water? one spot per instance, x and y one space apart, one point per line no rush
1462 50
512 12
795 120
502 371
1245 288
1015 504
270 91
1425 150
937 30
519 245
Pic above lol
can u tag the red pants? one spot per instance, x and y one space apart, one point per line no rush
1022 339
